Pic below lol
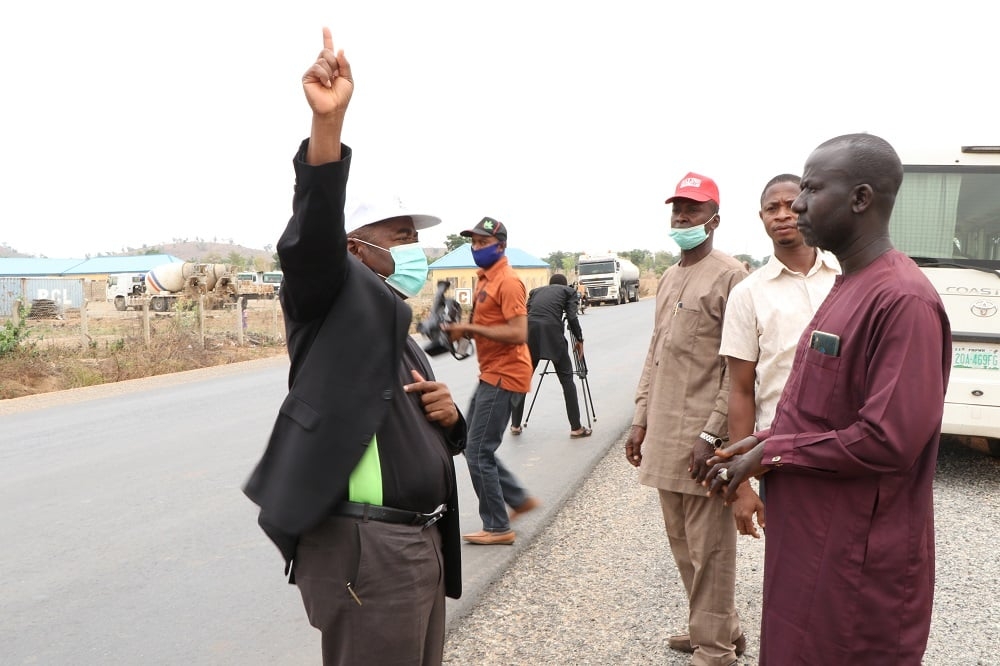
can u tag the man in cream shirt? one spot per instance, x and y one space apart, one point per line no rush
765 317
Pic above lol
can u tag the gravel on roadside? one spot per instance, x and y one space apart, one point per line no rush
599 586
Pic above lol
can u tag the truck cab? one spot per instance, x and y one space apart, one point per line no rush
253 285
126 290
608 278
947 219
275 278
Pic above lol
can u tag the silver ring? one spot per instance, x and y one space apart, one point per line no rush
724 474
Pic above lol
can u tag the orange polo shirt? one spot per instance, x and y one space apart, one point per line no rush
500 296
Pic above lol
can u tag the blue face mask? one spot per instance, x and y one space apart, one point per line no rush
487 256
410 273
691 237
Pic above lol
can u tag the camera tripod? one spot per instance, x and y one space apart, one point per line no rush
580 370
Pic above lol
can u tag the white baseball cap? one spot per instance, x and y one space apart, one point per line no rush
370 209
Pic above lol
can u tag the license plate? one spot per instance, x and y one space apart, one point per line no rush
976 356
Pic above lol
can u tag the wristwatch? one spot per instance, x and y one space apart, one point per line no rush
711 439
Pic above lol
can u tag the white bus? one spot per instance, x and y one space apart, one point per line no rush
947 218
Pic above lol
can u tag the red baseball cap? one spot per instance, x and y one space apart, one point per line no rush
696 187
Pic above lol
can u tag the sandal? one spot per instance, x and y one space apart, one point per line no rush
515 430
582 432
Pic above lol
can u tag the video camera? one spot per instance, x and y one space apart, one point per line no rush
444 310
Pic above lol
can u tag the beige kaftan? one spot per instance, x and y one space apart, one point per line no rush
684 387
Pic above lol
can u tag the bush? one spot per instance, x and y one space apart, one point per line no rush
13 334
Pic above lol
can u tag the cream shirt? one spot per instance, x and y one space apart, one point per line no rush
765 317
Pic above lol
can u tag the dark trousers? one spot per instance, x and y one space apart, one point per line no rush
397 574
564 371
495 485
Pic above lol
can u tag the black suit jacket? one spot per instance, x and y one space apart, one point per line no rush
345 330
547 307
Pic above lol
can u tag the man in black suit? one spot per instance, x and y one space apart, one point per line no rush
548 307
357 484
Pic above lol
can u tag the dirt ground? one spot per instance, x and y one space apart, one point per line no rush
103 345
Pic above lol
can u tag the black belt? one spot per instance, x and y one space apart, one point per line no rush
387 514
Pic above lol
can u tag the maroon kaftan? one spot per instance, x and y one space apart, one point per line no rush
849 554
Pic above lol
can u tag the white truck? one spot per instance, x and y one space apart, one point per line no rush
274 278
125 287
255 284
167 285
947 218
608 278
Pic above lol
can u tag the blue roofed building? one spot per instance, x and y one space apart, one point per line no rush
458 268
68 282
97 268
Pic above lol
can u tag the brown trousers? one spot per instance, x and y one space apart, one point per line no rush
702 536
396 572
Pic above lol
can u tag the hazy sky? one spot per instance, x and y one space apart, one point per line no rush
126 124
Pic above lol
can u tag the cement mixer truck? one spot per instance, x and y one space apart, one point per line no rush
166 285
608 278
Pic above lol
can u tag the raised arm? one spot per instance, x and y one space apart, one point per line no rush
313 246
328 86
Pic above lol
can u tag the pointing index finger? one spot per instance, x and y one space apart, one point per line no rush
327 39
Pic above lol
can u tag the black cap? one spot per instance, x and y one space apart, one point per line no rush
488 227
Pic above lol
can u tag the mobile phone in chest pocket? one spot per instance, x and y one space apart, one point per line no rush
825 343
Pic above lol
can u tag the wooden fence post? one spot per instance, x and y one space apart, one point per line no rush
241 321
201 319
274 318
83 323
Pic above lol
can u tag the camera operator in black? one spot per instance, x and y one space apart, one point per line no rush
547 308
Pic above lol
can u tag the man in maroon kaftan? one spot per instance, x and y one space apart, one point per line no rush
850 455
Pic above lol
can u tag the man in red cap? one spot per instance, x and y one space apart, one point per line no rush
681 417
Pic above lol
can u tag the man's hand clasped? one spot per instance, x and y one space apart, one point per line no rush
731 467
698 465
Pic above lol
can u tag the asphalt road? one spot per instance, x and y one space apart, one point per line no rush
127 538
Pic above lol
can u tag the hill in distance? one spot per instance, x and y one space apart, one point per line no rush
201 251
206 251
7 252
196 250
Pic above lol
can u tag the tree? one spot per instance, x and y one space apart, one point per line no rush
276 265
236 259
662 261
557 260
455 241
641 258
